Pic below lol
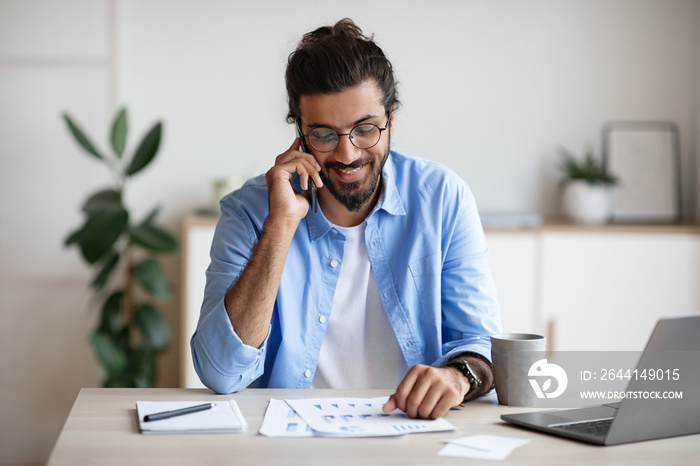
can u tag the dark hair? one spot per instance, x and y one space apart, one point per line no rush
333 58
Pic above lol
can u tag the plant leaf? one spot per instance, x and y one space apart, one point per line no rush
82 139
105 272
119 128
153 238
111 318
151 323
100 232
111 356
588 169
74 237
147 150
143 367
107 199
152 216
150 275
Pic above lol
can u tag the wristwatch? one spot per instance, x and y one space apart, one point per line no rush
470 374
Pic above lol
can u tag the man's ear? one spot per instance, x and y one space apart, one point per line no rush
391 121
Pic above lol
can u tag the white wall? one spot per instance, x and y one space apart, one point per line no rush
499 84
53 56
489 88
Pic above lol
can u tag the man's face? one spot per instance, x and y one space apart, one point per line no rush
351 174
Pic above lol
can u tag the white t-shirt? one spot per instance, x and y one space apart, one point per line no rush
359 349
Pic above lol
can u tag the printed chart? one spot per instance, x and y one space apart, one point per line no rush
360 417
282 421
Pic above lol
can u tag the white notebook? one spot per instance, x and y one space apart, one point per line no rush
223 417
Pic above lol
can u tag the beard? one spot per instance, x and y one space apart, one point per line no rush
354 196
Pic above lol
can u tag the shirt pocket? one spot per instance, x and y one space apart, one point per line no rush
426 273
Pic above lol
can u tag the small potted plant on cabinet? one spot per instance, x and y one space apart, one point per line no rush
586 196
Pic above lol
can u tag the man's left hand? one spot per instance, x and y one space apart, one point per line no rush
428 392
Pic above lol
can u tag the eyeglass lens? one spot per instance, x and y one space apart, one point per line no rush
362 136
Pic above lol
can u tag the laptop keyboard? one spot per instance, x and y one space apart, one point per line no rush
598 428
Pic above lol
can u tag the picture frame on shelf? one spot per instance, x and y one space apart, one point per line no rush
645 157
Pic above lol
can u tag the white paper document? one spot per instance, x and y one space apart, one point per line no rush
224 416
484 447
282 421
360 417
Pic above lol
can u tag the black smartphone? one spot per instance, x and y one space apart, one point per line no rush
312 185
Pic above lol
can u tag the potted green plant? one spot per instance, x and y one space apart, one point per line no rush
586 194
129 281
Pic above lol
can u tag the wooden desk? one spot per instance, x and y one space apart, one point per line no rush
102 428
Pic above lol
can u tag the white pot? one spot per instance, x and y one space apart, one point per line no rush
586 203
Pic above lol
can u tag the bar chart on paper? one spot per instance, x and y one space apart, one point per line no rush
282 421
360 417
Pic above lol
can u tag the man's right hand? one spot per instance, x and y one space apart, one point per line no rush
285 203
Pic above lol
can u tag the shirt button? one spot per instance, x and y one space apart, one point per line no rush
307 374
334 263
322 319
335 232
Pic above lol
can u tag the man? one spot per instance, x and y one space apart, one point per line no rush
379 278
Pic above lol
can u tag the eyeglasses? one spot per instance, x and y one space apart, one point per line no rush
364 136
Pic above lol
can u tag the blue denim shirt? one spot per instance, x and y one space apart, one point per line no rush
426 247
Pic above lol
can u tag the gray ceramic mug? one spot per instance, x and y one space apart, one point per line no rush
512 354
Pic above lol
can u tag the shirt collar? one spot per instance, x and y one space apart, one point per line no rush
390 201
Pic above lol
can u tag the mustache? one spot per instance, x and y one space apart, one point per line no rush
329 165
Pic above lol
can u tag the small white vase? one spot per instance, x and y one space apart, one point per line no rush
586 203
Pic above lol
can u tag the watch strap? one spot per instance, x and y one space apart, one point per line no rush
466 369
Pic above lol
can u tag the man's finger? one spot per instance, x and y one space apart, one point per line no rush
390 405
419 402
441 408
405 388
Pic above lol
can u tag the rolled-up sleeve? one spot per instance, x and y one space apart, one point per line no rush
470 309
222 361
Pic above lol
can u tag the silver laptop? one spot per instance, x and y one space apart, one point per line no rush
633 420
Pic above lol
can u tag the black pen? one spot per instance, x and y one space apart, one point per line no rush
178 412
